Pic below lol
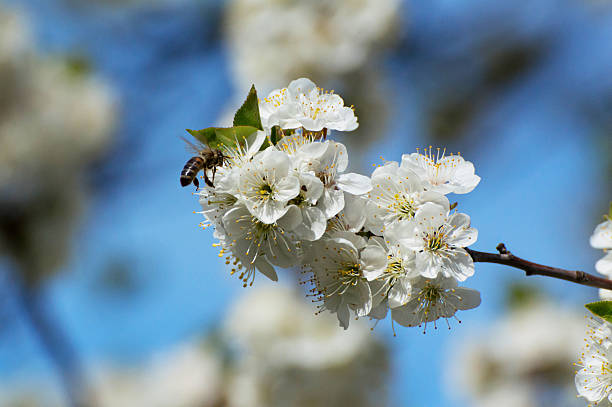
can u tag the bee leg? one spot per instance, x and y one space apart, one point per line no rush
214 172
196 182
208 181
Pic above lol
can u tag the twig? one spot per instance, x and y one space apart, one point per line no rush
530 268
54 342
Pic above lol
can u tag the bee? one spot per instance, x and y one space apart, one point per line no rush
206 159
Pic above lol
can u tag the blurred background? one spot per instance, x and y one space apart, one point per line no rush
110 294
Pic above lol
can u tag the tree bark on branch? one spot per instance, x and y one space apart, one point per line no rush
531 269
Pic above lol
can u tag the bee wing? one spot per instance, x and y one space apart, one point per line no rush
193 147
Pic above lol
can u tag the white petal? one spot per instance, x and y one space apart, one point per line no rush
301 86
343 315
291 219
355 184
375 261
602 236
604 265
379 311
353 214
313 224
400 293
469 298
360 299
275 162
268 211
331 202
280 251
459 266
287 188
266 268
406 315
311 187
428 264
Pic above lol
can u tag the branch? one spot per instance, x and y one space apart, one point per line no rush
54 342
530 268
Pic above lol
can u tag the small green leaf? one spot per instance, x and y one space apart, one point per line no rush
231 136
215 137
602 309
610 212
248 114
206 136
275 135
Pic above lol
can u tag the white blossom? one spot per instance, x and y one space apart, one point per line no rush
266 184
188 375
365 241
442 173
268 47
303 150
432 299
338 276
302 104
594 379
329 168
255 244
391 265
602 239
396 195
525 350
284 355
605 295
602 236
438 240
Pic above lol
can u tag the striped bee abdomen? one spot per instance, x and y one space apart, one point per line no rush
190 171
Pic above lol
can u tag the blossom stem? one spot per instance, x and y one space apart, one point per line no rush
530 268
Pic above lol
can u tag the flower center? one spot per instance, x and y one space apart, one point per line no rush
403 207
395 266
299 201
261 231
429 298
436 240
430 294
439 173
349 269
266 191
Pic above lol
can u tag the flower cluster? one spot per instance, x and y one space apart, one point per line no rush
370 246
594 379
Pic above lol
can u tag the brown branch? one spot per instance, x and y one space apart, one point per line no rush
530 268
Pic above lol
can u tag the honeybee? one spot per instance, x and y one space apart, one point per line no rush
206 159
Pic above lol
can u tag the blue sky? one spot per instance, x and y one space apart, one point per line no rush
541 189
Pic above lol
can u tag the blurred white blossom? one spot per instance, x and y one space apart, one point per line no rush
287 356
271 42
523 359
188 375
56 119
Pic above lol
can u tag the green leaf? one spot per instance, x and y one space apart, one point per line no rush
231 136
610 212
275 135
215 137
602 309
206 136
248 114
